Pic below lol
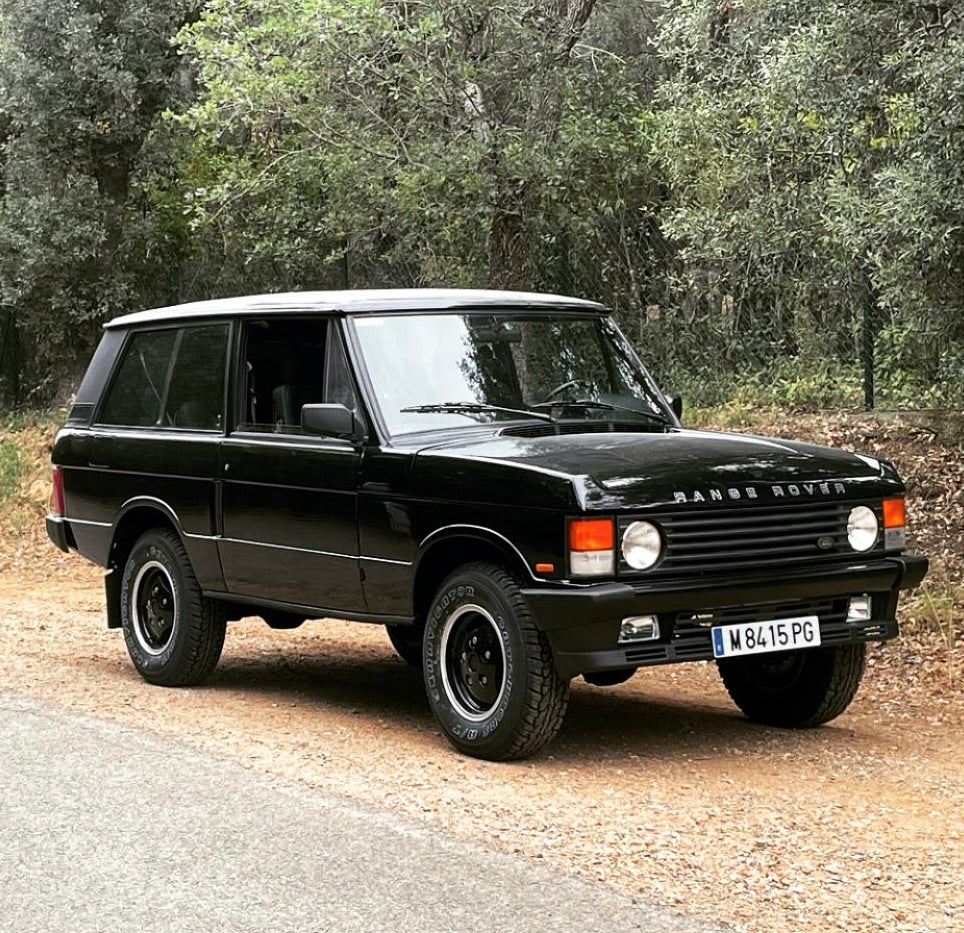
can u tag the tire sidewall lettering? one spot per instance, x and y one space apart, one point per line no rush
139 556
457 726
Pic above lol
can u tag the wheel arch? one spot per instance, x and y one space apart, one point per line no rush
450 548
135 518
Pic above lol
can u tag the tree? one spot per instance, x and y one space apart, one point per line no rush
440 141
81 84
810 147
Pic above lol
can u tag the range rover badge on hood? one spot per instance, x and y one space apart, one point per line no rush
771 490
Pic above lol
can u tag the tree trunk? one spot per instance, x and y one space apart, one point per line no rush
516 226
10 359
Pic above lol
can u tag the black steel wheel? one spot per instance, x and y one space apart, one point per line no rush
795 689
173 634
489 672
407 642
473 661
152 608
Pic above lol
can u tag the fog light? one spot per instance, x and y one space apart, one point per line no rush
859 609
639 628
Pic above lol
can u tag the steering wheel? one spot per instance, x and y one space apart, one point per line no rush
587 384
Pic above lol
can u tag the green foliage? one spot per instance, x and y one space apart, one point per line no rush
807 146
10 468
81 83
437 142
739 181
807 384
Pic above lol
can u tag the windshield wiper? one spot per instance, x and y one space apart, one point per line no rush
603 406
472 408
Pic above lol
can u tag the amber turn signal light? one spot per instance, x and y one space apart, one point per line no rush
894 516
591 534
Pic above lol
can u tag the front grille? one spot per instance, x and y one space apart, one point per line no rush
725 539
830 611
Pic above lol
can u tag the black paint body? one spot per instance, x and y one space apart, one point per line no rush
367 529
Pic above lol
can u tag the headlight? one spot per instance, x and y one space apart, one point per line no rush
642 545
862 528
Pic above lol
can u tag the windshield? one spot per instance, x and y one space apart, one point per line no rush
471 368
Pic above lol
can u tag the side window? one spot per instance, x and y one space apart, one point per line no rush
195 396
137 392
290 362
170 378
340 387
284 365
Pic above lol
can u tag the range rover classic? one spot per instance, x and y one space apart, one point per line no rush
492 476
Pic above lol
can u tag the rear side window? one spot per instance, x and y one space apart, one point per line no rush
172 378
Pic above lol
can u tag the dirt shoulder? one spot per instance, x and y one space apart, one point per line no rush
657 787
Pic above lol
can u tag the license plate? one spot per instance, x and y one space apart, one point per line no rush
729 641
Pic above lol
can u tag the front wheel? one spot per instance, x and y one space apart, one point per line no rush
174 634
489 672
795 689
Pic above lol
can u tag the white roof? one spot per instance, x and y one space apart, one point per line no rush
361 301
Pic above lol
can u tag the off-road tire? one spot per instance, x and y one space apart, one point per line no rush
174 635
407 642
498 697
795 689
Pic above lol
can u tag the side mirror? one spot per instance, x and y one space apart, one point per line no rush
676 404
331 421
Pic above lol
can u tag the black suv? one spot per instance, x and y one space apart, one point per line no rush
495 478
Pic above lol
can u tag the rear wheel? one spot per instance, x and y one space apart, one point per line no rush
489 672
795 689
174 635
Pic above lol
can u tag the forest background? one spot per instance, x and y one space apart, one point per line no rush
768 193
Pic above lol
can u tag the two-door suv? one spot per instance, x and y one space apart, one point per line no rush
491 475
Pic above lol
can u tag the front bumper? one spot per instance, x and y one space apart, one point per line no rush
582 621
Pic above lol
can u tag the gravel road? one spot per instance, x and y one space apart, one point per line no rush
657 789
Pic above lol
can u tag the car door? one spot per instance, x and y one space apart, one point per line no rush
288 499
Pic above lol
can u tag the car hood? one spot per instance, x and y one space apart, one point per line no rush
647 470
